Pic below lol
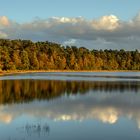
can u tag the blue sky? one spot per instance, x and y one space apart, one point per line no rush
26 10
98 24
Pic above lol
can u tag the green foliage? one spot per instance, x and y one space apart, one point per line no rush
28 55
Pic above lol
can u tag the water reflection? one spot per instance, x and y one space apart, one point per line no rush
65 101
19 91
34 129
105 101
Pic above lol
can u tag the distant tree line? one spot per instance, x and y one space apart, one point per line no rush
28 55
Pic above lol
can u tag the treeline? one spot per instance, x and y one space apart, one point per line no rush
28 55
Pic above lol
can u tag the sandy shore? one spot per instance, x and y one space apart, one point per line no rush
36 71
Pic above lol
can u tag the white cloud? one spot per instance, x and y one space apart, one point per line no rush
4 21
106 32
106 23
69 42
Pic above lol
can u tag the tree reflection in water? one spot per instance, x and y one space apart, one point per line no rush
19 91
103 101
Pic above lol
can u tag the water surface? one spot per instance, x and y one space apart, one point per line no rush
40 106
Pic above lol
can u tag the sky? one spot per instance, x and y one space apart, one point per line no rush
96 24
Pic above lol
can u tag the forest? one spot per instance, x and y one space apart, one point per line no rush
28 55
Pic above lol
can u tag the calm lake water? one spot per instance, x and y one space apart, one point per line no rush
70 106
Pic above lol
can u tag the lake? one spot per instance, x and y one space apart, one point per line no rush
70 106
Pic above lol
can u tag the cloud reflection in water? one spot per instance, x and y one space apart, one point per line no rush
70 100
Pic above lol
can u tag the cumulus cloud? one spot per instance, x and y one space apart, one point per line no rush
107 32
4 21
106 23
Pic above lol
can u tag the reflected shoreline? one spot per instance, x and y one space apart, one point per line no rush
20 91
27 105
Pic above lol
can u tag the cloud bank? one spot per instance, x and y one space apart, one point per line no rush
107 32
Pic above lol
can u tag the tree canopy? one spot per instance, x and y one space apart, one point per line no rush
28 55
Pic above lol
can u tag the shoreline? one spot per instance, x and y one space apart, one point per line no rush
2 73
